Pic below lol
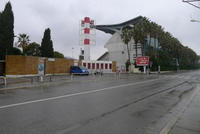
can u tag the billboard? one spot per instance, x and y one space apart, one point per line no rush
41 66
143 61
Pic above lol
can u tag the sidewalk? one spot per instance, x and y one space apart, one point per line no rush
26 82
189 122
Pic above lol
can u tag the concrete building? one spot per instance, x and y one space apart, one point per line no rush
117 49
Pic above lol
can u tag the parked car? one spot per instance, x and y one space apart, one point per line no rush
79 70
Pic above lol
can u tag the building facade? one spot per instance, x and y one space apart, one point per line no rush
117 49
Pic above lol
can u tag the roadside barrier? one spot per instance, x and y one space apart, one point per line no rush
4 79
35 79
118 75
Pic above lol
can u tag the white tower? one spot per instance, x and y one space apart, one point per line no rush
87 36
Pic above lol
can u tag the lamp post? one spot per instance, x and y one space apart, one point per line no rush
176 64
72 52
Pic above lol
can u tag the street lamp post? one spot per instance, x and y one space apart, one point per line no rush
72 52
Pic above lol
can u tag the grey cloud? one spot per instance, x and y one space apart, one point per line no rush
63 16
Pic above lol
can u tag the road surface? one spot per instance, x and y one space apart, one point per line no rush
143 105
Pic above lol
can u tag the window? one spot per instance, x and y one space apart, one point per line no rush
101 65
106 66
110 66
72 67
97 65
88 65
84 64
93 65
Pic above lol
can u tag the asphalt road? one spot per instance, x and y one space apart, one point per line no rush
133 105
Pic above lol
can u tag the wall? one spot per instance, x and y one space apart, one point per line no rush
100 66
59 66
21 65
117 50
114 66
28 65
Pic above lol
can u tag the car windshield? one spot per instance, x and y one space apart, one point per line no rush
82 67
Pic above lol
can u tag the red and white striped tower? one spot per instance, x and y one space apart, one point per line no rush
87 36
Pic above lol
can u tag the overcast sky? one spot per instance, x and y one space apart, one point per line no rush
62 17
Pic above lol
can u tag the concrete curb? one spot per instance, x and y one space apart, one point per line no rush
172 122
43 84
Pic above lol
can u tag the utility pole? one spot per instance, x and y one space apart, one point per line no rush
72 52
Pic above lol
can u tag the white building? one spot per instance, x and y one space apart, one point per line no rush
117 49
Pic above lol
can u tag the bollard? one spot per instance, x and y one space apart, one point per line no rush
94 75
117 75
5 82
71 76
41 78
31 80
50 79
38 78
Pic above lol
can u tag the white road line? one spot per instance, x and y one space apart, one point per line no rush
74 94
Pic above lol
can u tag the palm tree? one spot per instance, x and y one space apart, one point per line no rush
23 42
126 37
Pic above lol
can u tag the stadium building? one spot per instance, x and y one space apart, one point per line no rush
117 49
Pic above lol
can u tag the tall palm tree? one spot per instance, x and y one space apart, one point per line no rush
23 42
126 37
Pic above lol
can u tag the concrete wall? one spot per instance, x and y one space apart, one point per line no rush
117 50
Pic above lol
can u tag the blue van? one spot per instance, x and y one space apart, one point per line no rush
78 70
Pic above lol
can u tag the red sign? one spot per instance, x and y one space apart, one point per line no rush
143 61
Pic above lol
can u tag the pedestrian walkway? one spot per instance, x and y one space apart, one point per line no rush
189 122
23 82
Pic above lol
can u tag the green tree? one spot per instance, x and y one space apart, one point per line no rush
33 49
171 47
16 51
58 54
47 44
126 37
6 31
2 49
23 42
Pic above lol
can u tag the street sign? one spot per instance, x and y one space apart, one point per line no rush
143 61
